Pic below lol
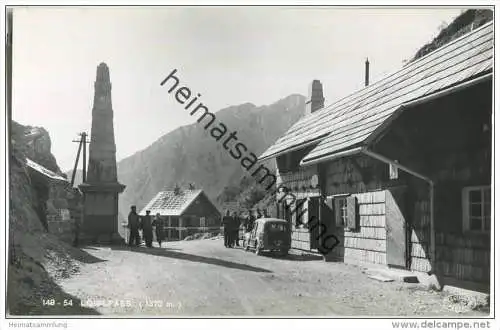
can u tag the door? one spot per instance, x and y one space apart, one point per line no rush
396 234
313 214
327 226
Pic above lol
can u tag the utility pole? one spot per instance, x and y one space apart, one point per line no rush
84 169
82 144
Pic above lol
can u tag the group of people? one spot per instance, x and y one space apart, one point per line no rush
146 224
232 224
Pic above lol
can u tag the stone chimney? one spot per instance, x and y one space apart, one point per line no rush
316 100
367 72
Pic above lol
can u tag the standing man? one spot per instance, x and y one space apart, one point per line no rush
147 229
236 229
159 224
226 223
133 226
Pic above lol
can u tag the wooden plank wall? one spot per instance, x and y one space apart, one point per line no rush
368 245
458 255
420 236
343 176
464 257
299 184
301 239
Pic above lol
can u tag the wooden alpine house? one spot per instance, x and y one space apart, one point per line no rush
399 171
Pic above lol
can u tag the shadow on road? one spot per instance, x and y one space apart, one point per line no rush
303 257
293 257
169 253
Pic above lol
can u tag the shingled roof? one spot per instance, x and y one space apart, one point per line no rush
169 203
351 121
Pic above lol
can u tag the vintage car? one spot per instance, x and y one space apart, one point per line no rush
269 234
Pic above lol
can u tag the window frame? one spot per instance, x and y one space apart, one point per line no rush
342 198
466 218
343 210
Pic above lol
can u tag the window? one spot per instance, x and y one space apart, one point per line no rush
346 212
393 172
340 211
277 227
476 202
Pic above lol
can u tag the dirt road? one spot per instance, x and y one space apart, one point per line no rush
202 278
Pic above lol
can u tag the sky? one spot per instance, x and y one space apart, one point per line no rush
230 56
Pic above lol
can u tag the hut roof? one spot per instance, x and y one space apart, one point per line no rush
44 171
355 120
170 203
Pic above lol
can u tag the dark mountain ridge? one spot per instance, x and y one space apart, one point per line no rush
189 154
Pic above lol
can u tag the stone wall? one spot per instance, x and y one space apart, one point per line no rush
64 210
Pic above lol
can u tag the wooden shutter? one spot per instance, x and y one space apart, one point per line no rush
351 212
313 206
286 212
327 213
283 209
338 212
329 204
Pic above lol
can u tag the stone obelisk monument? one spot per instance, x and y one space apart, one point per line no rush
100 212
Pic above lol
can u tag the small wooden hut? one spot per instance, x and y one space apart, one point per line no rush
186 212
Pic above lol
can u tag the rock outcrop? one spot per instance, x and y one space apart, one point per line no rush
37 258
35 144
464 23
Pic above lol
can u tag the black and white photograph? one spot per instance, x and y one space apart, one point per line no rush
249 163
